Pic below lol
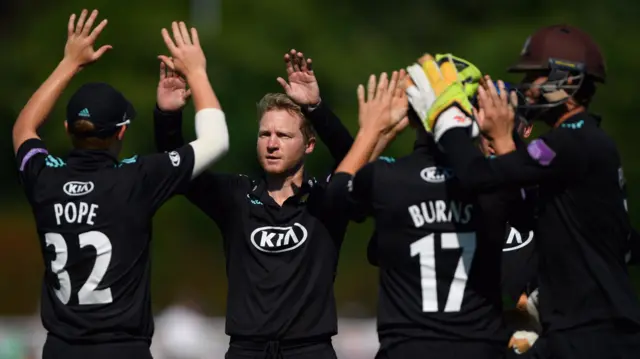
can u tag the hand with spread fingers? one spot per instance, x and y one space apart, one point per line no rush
375 111
399 109
81 39
496 110
380 112
172 90
302 87
187 55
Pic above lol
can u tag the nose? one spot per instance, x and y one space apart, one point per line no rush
273 144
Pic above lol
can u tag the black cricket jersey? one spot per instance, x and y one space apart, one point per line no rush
519 263
582 228
280 260
438 248
519 255
94 219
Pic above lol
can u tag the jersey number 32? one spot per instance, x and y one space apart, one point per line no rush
425 249
87 294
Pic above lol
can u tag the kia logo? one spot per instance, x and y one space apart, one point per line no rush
436 174
76 188
515 242
279 239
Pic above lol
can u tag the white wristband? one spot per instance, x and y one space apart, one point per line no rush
451 118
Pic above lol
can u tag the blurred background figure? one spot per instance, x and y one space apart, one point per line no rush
183 331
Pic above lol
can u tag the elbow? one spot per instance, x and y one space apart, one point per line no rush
20 134
212 136
223 145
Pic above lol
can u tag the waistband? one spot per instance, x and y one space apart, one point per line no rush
97 341
274 348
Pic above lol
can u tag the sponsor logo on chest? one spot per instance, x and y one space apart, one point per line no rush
272 239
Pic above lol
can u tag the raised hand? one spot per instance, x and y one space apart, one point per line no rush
187 55
81 39
375 112
302 86
399 104
496 113
172 90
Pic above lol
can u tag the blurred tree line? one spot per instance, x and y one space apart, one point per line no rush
244 44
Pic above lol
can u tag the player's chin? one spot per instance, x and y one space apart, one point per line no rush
274 166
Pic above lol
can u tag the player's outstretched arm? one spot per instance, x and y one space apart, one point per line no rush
552 157
302 87
384 109
78 52
189 60
172 96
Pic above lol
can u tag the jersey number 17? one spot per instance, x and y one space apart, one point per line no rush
424 248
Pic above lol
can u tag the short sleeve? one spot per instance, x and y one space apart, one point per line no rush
31 159
167 174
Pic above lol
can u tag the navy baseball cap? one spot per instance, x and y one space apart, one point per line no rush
102 105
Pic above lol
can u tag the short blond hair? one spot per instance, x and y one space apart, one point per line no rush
280 101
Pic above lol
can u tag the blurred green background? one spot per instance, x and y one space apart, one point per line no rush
244 41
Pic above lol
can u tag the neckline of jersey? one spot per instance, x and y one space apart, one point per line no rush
91 158
259 191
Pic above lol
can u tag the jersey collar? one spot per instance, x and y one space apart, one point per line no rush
90 159
300 194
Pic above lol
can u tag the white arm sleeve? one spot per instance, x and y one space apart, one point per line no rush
212 139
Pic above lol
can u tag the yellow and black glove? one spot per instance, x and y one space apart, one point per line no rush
468 74
439 92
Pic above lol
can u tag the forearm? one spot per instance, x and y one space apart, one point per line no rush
41 103
167 128
212 139
360 153
330 130
469 164
380 146
202 92
504 145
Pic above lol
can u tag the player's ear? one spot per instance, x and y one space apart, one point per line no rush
121 132
66 127
311 144
527 130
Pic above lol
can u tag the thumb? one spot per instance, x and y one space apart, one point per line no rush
284 84
101 51
187 94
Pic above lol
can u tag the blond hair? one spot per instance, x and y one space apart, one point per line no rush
280 101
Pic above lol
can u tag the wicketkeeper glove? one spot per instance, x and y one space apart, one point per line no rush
468 74
439 84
